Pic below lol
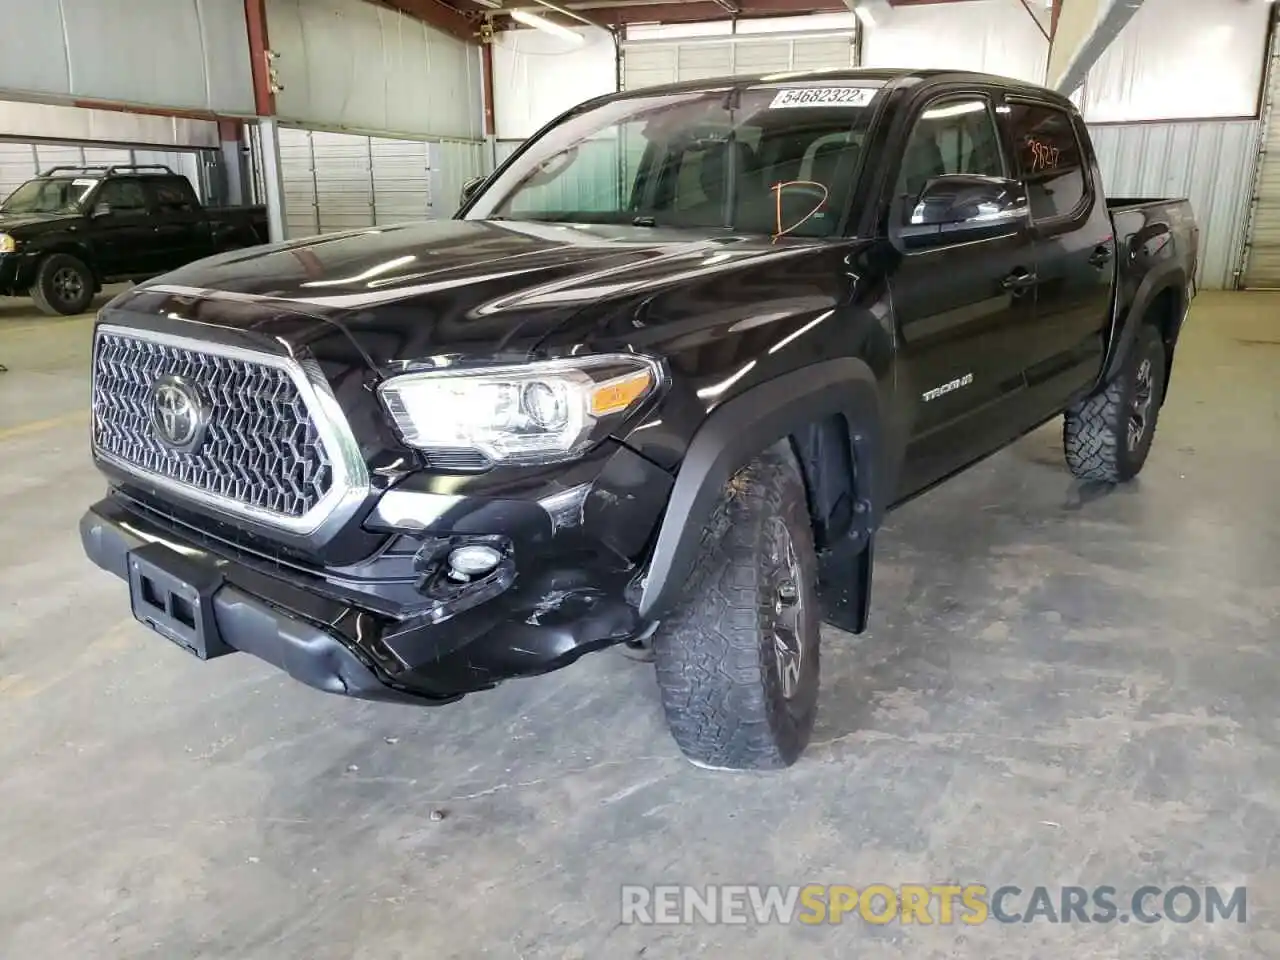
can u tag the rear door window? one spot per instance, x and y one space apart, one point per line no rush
123 196
171 197
1050 158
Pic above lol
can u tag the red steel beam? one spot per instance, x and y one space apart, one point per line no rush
443 17
694 10
255 20
486 67
113 106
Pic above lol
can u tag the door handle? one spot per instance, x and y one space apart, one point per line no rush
1019 280
1100 257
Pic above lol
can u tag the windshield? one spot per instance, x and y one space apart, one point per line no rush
774 160
49 195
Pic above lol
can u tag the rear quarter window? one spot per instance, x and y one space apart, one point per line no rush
172 196
1051 160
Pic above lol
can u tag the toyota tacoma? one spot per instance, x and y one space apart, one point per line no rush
656 385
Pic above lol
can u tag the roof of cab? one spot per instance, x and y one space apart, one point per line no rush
889 76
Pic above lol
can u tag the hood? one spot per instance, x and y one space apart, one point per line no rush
16 221
452 287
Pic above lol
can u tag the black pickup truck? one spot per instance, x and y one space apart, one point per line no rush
655 385
72 229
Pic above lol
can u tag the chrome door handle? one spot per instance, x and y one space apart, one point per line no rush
1018 280
1100 257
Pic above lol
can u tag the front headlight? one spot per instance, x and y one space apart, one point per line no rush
7 243
537 412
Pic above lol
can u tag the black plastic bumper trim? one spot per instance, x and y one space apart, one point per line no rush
306 651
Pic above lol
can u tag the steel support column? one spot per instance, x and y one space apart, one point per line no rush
1095 24
272 177
255 20
234 163
264 98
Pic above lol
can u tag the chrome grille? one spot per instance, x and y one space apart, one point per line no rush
261 449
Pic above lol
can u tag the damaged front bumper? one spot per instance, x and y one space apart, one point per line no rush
397 627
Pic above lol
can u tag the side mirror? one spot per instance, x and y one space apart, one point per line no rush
101 210
470 188
965 204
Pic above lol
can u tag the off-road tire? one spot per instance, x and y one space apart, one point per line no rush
1095 433
719 672
63 286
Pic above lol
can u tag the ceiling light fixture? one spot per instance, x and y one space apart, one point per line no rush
546 26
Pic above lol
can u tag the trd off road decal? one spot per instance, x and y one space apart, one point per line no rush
946 388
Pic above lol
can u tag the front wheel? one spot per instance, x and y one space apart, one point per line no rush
737 662
63 287
1107 437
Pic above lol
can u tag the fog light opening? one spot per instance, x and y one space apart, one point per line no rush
473 560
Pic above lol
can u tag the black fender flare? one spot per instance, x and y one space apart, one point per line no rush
1167 276
72 248
744 426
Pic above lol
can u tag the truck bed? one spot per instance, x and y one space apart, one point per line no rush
1121 204
1155 239
1150 225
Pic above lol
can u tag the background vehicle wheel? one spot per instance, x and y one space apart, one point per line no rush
737 662
1108 436
641 651
639 648
63 287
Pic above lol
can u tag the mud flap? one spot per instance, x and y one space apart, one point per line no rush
844 585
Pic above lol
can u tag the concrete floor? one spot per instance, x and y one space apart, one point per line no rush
1062 685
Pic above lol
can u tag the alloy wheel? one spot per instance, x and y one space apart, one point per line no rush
785 597
1140 408
68 285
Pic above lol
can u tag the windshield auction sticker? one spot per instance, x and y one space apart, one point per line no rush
824 97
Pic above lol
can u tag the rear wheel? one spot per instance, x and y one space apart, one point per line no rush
1108 436
737 662
63 286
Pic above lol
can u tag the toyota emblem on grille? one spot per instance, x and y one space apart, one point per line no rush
177 415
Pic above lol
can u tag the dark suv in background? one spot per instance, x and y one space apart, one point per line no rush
72 229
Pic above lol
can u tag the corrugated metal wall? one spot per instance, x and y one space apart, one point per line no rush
189 55
647 63
44 121
1262 256
505 148
453 163
1210 162
343 181
368 69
